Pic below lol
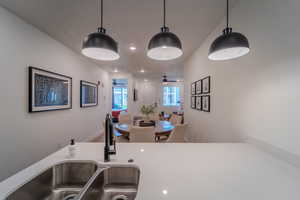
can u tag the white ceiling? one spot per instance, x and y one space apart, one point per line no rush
128 22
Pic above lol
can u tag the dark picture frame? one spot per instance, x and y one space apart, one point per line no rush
198 87
88 94
198 102
206 85
193 88
48 91
205 103
135 94
193 102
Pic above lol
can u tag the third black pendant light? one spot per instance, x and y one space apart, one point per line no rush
164 45
229 45
99 45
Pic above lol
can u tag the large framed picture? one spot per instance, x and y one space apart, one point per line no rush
205 103
193 102
88 94
49 91
193 88
206 85
198 103
199 87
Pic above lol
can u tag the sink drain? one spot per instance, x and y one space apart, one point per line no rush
70 197
120 197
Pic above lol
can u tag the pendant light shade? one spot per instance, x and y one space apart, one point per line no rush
164 45
99 45
229 45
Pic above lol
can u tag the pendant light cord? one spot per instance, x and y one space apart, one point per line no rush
164 28
227 17
100 13
164 13
227 30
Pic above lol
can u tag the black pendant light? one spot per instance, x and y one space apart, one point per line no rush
164 45
229 45
99 45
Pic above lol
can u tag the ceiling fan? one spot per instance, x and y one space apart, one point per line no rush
166 80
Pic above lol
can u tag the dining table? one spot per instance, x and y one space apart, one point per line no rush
162 128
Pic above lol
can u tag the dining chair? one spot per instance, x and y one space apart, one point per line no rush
124 118
154 117
177 134
142 134
175 119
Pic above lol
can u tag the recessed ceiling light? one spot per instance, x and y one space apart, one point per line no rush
132 48
142 150
142 71
116 70
165 192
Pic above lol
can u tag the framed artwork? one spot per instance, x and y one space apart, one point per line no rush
135 94
205 103
193 88
206 85
193 102
198 103
199 87
49 91
88 94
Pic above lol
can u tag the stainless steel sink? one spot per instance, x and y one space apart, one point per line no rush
61 182
112 183
81 181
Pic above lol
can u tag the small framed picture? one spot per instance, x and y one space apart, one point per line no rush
206 85
199 87
193 88
198 103
88 94
135 94
193 102
205 101
49 91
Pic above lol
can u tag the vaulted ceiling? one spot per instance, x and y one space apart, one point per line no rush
129 22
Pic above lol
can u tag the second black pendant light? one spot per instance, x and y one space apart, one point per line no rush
99 45
164 45
229 45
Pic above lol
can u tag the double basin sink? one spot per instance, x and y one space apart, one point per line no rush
81 181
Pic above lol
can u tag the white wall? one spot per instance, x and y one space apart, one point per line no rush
26 138
256 95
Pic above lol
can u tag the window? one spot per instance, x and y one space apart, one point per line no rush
171 96
119 100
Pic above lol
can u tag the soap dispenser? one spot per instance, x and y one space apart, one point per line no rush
72 148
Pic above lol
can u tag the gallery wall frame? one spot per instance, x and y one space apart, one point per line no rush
193 88
88 94
198 103
205 85
48 91
205 103
198 87
193 102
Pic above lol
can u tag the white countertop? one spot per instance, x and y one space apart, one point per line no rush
227 171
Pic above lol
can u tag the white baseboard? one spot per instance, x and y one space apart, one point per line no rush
282 154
